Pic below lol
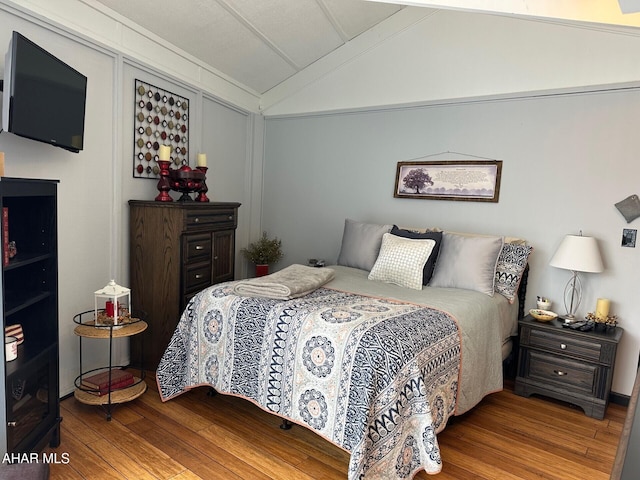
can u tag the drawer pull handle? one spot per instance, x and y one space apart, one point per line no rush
199 247
563 346
196 219
215 258
12 424
230 217
199 276
560 373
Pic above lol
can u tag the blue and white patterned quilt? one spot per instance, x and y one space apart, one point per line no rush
377 377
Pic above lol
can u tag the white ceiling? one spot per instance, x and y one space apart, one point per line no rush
258 43
261 43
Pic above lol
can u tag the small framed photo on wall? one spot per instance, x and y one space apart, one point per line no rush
629 237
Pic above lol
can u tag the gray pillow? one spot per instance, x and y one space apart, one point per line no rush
361 244
467 262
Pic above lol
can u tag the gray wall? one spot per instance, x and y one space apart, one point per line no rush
567 160
96 184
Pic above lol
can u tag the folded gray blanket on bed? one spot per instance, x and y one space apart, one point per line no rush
290 282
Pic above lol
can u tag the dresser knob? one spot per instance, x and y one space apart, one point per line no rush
563 346
215 258
560 373
230 217
199 247
199 276
196 220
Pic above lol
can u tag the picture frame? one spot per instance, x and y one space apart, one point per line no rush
629 236
457 180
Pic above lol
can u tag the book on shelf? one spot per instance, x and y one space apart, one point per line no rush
98 384
5 236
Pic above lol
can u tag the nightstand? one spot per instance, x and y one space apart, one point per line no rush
566 364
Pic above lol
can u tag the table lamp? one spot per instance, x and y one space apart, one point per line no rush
576 253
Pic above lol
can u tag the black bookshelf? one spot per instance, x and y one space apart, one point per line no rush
30 414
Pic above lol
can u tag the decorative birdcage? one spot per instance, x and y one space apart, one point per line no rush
112 305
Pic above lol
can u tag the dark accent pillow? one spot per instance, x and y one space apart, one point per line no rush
427 272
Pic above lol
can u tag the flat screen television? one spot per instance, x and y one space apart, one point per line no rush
43 98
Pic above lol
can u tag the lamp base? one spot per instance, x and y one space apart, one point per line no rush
568 318
572 297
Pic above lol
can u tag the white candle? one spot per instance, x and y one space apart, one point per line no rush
602 308
201 160
164 152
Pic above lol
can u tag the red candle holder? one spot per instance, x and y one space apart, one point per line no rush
202 193
163 184
186 181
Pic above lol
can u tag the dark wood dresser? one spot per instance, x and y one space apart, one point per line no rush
176 250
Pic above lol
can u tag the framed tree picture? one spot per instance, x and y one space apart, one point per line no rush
468 180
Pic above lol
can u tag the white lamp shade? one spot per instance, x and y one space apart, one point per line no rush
578 253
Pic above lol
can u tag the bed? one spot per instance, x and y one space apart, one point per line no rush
359 352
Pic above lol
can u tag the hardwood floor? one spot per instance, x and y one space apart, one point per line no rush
221 437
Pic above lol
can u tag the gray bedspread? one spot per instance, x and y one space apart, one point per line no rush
366 365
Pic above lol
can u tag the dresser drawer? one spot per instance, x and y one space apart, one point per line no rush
567 345
553 370
197 277
197 248
199 218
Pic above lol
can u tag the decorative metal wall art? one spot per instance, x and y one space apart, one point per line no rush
161 118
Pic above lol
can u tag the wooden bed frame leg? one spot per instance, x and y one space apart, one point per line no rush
285 425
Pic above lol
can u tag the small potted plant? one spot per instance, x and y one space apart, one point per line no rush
263 252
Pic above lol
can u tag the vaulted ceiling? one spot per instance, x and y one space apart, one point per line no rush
258 43
261 43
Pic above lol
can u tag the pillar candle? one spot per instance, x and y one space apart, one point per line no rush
164 152
602 308
201 160
109 308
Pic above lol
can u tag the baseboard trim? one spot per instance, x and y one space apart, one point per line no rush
619 399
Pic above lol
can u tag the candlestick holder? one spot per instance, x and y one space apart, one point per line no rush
185 180
202 193
163 184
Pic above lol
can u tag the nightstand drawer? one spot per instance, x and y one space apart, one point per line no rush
550 369
567 345
197 248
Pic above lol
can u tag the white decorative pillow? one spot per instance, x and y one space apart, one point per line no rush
511 264
401 261
467 262
361 244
